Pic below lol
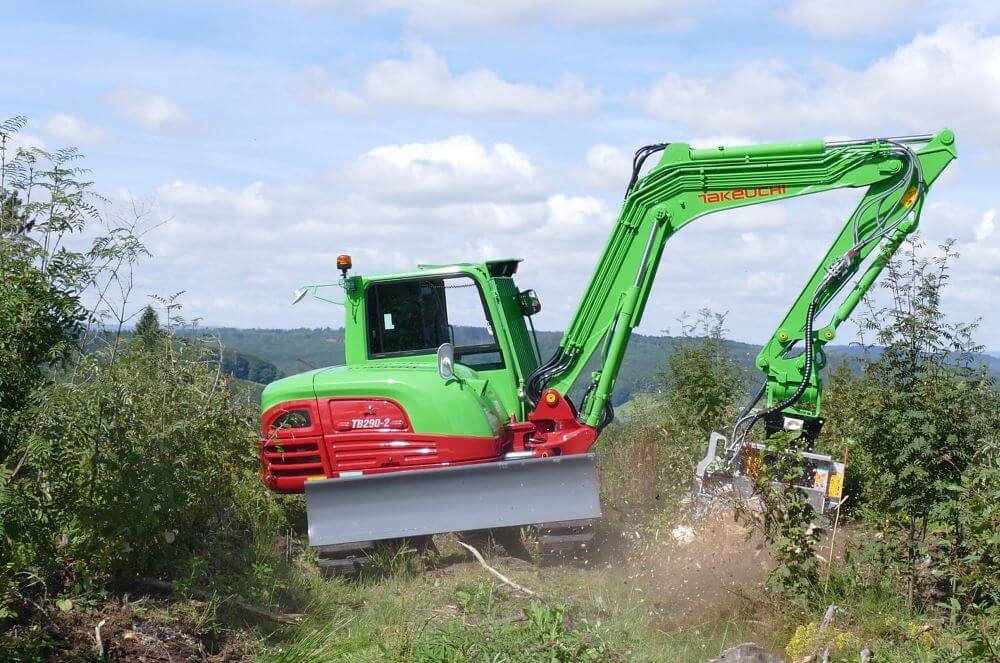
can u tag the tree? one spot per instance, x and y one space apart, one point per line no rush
922 421
148 328
46 203
702 374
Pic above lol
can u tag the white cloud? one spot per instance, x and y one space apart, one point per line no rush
845 18
317 84
446 14
986 225
606 167
24 141
252 200
576 217
72 130
946 78
755 97
150 110
457 169
426 81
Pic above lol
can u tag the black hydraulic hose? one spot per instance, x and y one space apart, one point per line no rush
882 230
639 159
607 414
743 416
535 383
803 385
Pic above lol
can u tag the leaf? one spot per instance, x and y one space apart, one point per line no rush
64 604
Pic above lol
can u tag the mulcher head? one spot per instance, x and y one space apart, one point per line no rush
727 472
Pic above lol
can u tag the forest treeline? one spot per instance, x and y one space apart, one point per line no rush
292 351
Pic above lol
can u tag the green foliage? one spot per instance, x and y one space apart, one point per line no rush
134 458
926 407
702 374
783 515
45 205
921 422
646 460
543 637
140 465
248 367
967 557
148 328
479 597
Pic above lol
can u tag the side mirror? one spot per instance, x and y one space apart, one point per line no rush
299 294
446 361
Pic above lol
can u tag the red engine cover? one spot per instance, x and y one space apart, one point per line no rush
366 415
356 435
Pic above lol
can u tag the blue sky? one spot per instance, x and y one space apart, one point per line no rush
267 137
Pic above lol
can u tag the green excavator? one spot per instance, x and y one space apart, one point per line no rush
434 427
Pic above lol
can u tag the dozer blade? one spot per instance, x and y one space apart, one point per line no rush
452 499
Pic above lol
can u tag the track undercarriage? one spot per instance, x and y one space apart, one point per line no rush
569 543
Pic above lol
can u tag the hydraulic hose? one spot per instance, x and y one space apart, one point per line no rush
536 382
807 369
534 385
607 414
639 159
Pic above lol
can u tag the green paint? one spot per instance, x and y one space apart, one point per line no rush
688 184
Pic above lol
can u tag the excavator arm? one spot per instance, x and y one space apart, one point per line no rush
687 184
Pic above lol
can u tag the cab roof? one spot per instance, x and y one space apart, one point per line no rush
495 268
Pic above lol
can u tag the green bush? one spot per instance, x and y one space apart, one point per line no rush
140 464
647 458
119 457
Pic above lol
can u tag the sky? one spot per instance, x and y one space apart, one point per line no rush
263 138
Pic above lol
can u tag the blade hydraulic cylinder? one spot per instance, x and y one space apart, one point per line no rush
448 499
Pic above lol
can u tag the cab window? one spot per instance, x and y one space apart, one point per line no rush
415 317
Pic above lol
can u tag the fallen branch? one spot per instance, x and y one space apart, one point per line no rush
252 611
501 577
98 643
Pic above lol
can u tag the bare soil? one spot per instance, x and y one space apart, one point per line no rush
144 631
697 568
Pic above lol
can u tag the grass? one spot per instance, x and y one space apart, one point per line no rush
461 613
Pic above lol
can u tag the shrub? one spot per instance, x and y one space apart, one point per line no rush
141 464
647 458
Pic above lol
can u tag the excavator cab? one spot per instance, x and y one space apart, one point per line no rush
423 430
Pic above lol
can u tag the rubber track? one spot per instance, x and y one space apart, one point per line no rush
569 542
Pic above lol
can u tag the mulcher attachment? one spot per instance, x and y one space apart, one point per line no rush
416 503
727 471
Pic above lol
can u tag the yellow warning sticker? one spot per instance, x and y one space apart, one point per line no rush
836 485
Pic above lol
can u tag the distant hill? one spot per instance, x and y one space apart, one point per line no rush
295 350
